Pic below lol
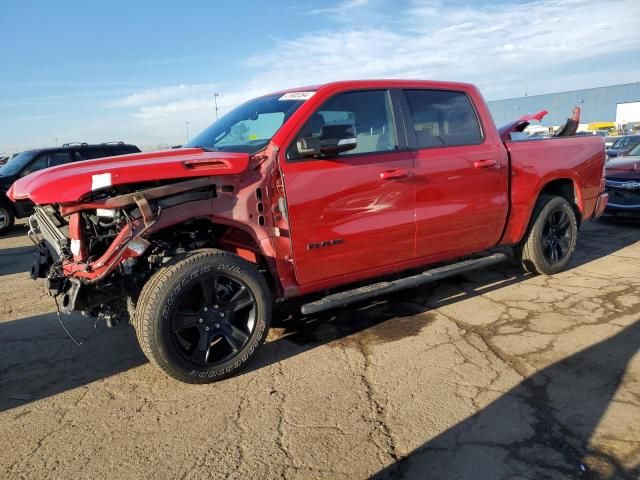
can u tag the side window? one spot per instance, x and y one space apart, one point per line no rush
124 151
76 156
58 158
37 164
369 111
90 153
443 118
46 161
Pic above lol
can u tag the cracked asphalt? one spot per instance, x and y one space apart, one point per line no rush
488 375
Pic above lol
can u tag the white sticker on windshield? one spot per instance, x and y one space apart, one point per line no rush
100 181
297 96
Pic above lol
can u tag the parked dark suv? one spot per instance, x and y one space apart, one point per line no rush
31 160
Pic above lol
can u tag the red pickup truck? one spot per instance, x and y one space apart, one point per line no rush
305 190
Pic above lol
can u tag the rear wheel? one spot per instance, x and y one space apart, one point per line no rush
551 239
203 317
7 217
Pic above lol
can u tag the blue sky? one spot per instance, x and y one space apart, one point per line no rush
138 70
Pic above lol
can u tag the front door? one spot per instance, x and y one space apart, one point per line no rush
353 212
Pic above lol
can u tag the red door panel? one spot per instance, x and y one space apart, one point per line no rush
351 214
461 198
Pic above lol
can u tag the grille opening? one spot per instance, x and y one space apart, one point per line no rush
261 220
260 207
259 193
227 188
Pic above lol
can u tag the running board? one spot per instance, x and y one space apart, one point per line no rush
341 299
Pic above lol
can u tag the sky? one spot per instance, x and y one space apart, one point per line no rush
139 70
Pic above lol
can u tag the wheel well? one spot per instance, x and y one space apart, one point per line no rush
204 233
563 187
5 202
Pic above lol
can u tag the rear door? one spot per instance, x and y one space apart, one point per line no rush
353 212
460 175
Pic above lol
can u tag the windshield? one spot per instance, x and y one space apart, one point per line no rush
16 164
625 142
249 127
635 151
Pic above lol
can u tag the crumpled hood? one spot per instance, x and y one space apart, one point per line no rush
69 183
627 167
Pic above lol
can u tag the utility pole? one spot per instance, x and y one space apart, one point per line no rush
187 125
215 102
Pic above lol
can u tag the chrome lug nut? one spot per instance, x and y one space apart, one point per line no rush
205 309
200 320
206 329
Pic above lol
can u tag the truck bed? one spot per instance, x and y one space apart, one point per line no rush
535 163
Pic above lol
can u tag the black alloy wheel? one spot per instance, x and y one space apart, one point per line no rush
203 316
556 236
214 320
551 238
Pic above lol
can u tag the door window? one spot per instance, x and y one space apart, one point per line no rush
90 153
58 158
369 111
46 161
443 118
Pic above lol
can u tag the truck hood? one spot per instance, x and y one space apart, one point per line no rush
69 183
623 167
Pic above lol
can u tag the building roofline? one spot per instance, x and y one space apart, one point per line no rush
566 91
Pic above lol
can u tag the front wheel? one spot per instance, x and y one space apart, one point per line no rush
551 238
7 217
204 316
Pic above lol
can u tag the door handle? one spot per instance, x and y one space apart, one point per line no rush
485 163
391 174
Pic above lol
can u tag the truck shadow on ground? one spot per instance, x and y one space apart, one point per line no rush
539 429
397 315
16 260
38 360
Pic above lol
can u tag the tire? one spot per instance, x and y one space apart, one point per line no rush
204 316
7 217
551 238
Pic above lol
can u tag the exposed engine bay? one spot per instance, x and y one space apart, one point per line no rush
119 222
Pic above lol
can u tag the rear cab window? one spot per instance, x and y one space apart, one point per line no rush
371 113
443 118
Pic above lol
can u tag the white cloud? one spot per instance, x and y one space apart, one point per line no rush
340 8
163 94
542 45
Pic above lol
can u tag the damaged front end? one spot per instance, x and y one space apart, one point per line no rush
95 255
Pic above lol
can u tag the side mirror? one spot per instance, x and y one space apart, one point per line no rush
333 139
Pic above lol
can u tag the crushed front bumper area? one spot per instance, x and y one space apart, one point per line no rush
45 230
50 237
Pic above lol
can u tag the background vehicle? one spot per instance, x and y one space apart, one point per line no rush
623 145
299 192
30 161
623 183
